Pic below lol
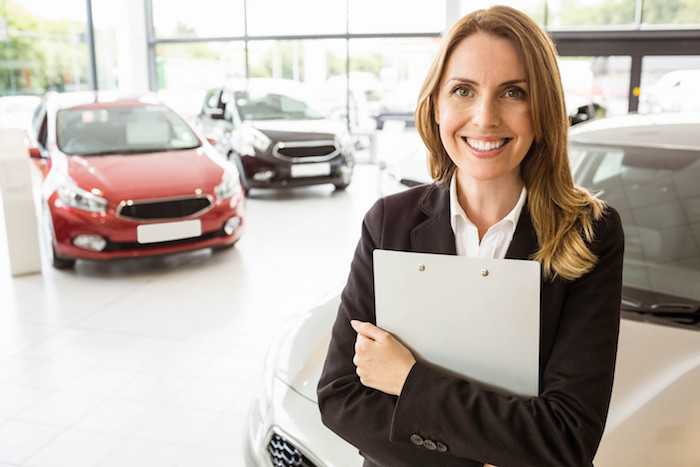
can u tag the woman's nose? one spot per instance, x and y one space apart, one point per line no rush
486 114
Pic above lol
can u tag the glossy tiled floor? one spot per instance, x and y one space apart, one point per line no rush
152 362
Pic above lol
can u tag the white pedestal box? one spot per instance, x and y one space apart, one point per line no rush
17 197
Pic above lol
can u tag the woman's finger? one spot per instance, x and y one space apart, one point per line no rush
369 330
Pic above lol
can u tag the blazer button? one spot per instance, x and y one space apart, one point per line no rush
417 439
440 447
430 445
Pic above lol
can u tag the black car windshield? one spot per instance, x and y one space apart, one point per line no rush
271 106
657 194
122 130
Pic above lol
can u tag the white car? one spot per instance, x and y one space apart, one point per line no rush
17 111
649 167
674 91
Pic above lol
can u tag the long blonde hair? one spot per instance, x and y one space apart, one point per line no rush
562 213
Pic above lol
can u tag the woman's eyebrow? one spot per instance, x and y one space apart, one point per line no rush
510 82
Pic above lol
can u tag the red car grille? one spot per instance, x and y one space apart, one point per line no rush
164 209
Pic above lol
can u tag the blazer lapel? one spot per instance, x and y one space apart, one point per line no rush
434 234
524 241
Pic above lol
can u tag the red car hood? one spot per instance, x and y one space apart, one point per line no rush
139 176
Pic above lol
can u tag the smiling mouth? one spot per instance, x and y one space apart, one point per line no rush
484 146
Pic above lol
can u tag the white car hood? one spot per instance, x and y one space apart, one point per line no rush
655 407
304 350
655 404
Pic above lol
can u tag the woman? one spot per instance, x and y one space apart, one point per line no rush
492 115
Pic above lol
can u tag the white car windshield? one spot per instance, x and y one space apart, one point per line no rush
122 130
657 194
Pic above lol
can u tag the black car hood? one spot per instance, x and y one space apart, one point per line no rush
299 130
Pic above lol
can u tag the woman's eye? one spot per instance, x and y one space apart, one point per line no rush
462 92
515 93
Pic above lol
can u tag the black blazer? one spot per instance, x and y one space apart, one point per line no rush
442 420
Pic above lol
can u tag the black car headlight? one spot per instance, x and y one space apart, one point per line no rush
254 140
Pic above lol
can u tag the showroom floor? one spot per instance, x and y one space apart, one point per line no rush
153 362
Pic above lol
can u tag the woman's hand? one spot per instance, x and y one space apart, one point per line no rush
382 362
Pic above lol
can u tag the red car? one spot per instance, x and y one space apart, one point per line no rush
128 176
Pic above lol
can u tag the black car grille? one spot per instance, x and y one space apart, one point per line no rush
285 454
164 209
307 151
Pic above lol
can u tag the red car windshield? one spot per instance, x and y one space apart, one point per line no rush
122 130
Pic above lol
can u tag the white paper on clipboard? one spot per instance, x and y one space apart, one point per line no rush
478 317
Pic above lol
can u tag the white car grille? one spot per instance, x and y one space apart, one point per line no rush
284 454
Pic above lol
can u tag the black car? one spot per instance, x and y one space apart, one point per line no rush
275 136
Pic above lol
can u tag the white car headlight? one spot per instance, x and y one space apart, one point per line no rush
78 198
230 184
275 351
344 141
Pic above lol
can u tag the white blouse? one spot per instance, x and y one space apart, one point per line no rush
496 240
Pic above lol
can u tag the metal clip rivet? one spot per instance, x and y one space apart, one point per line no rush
421 267
484 272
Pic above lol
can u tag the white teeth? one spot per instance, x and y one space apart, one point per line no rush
485 145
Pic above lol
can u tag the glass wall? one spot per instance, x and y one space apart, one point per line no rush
114 34
590 13
365 58
295 18
310 61
601 81
185 19
536 9
670 83
683 13
385 77
42 46
596 14
395 16
107 37
185 71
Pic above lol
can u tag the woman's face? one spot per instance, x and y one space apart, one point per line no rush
483 109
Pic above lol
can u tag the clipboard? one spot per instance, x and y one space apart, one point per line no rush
477 317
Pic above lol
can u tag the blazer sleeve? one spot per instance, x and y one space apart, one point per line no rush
564 424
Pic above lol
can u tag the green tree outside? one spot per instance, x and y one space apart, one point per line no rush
41 55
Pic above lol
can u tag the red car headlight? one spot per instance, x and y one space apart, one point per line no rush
229 186
78 198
